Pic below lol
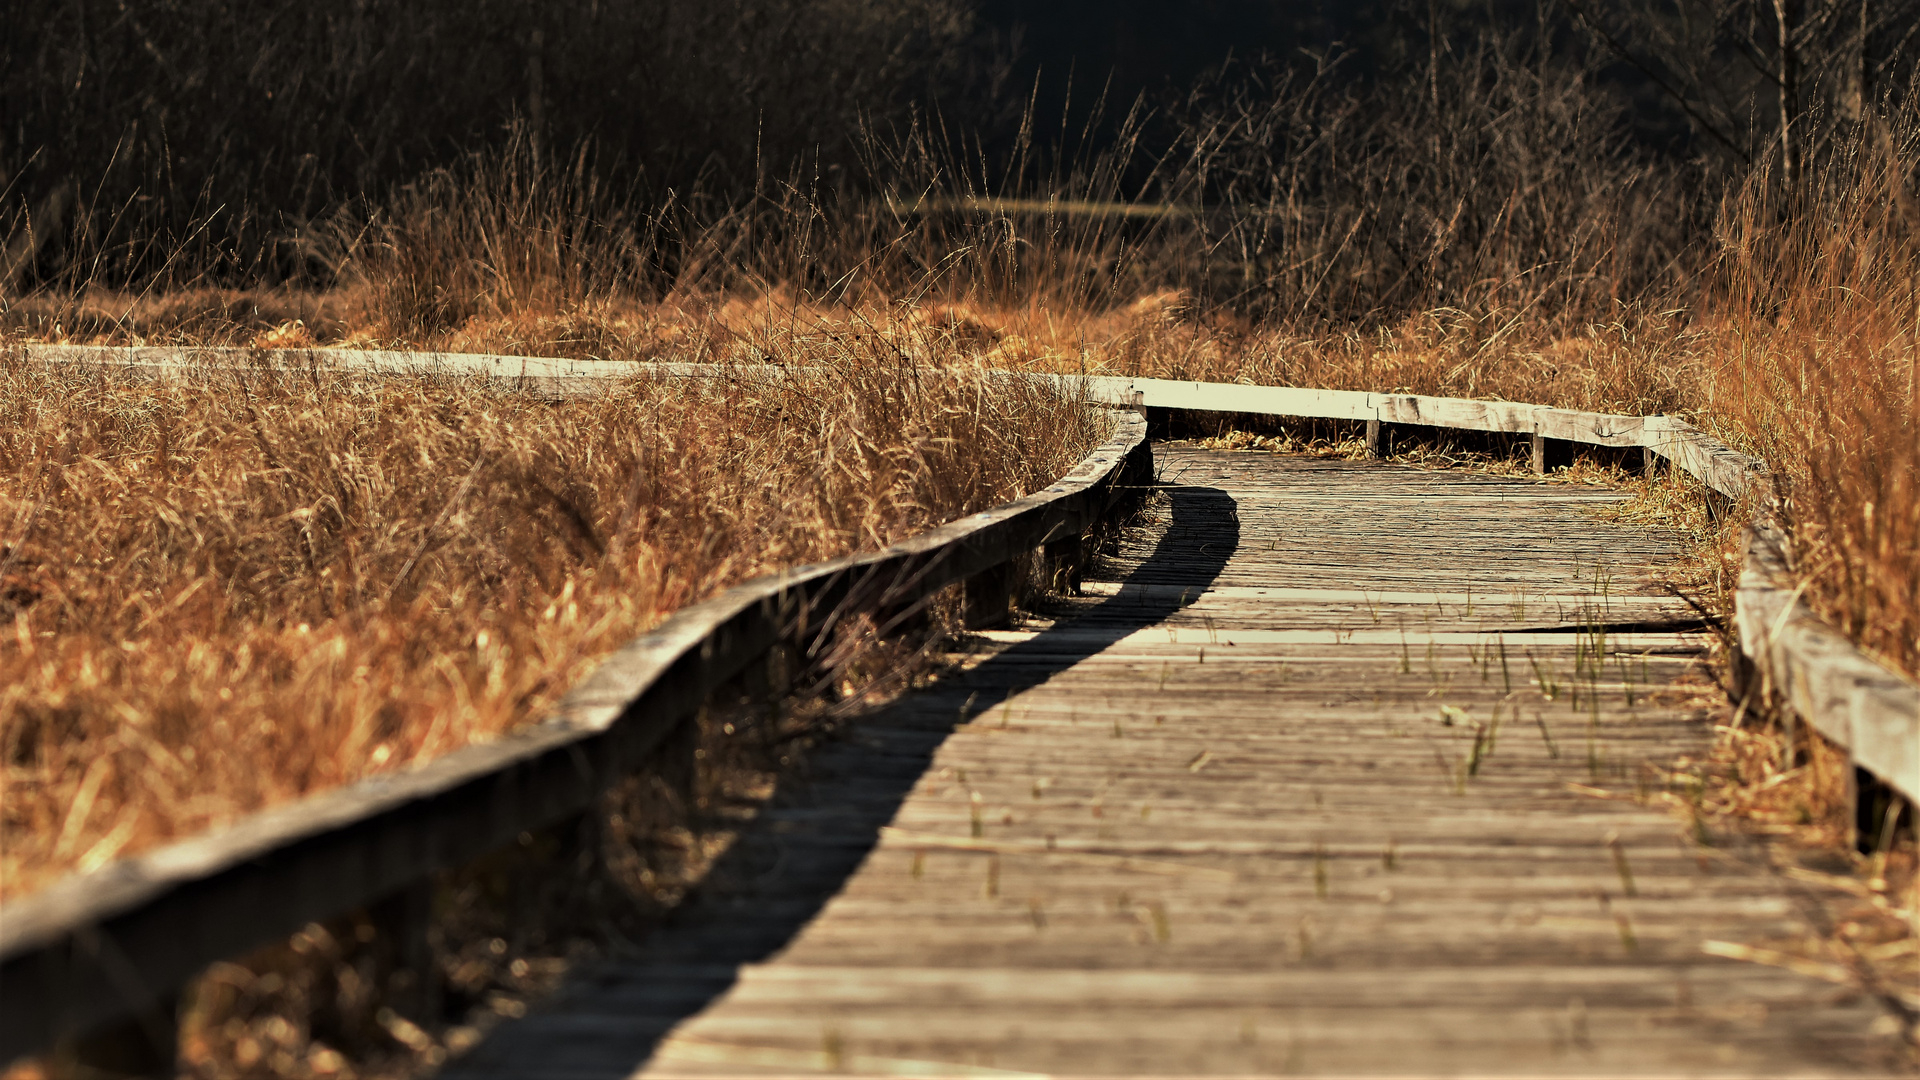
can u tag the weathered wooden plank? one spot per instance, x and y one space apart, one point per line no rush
1271 595
1871 710
1237 398
1459 413
1720 468
569 378
1592 429
1095 852
1597 429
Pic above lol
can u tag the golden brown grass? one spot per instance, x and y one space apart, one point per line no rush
1799 347
1813 352
1802 350
1641 366
229 590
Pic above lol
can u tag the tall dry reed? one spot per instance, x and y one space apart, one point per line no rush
1813 355
230 590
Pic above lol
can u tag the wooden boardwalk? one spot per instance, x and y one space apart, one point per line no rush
1305 784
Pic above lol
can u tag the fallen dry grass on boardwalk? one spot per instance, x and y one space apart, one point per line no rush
1859 896
229 590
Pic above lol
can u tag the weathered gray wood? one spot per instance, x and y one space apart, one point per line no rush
1145 839
988 598
1723 470
1595 429
549 375
1062 563
1822 676
1592 429
97 946
1237 398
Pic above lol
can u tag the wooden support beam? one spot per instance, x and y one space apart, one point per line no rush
1061 564
403 922
1374 449
1539 454
145 1045
988 598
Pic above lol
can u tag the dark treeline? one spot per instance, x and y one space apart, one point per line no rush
221 127
1315 160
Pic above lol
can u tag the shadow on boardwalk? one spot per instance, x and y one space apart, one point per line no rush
798 854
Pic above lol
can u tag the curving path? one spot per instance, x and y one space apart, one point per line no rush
1311 781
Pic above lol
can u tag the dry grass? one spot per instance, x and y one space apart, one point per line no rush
1790 331
1800 347
228 591
393 569
1813 356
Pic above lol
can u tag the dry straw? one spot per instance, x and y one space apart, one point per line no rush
229 590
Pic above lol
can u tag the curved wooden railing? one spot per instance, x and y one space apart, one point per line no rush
1792 655
99 947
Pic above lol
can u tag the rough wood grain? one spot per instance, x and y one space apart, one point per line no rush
1822 676
1145 838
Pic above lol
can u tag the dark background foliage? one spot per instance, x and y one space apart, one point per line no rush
220 127
1330 160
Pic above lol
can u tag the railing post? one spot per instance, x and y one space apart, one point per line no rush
1374 449
989 597
147 1045
1061 562
404 922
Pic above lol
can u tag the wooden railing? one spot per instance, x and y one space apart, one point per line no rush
1792 656
99 947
